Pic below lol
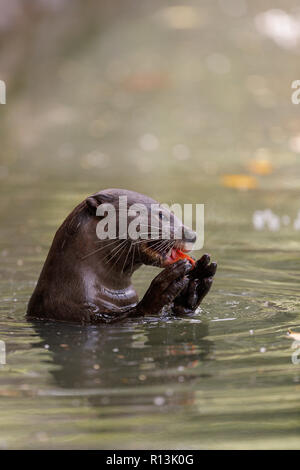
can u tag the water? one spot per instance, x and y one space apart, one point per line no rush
223 378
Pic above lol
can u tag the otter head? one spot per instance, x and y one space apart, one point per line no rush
135 229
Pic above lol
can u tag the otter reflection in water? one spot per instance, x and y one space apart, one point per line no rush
109 365
88 280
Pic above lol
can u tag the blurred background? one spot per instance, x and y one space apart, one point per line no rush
186 102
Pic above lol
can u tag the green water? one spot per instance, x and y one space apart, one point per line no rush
74 125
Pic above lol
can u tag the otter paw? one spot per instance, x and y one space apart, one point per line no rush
203 268
200 282
165 288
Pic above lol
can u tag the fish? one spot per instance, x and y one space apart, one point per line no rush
178 254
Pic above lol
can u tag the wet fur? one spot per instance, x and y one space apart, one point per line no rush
87 280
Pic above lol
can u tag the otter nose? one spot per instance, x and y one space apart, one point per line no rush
189 236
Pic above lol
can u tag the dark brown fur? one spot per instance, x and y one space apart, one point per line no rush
78 284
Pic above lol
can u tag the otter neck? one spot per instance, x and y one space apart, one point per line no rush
113 264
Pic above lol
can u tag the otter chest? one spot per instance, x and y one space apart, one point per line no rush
117 298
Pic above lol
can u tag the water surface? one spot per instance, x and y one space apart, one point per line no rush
75 124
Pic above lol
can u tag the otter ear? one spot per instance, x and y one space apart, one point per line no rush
92 202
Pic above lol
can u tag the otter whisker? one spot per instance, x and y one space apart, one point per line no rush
143 240
116 247
106 245
121 253
126 257
157 247
98 249
132 259
162 244
114 240
120 247
165 247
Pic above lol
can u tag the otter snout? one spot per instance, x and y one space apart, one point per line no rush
189 238
189 235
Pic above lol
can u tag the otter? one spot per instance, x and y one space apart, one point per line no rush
88 280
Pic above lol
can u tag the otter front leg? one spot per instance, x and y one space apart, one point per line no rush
200 282
165 288
162 291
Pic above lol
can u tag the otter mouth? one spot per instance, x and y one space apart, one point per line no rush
175 254
160 254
